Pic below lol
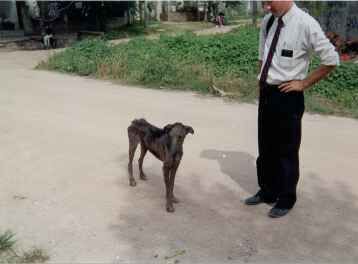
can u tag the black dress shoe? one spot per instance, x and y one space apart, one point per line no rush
278 212
254 200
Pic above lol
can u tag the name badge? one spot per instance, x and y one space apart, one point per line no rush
287 53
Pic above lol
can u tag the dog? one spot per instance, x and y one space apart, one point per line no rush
166 144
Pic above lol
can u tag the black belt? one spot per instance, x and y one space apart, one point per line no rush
267 88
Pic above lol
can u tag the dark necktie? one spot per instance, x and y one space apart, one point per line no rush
271 51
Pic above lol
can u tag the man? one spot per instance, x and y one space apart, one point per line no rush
286 42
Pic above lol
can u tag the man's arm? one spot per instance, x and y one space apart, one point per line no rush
262 38
260 65
326 52
311 79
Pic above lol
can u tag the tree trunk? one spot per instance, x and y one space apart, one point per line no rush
206 11
197 11
141 15
159 9
42 17
145 10
254 12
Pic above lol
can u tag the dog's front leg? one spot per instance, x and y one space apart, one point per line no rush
171 182
166 174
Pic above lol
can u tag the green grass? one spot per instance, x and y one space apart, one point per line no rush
189 62
337 94
7 241
156 28
180 62
34 255
9 254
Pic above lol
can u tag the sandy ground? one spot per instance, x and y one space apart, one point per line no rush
64 184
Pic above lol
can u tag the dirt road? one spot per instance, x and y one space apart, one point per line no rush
64 184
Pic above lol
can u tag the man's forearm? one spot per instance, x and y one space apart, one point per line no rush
317 75
260 65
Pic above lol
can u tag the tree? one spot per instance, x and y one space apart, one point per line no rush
254 12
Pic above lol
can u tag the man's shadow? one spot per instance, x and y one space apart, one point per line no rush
240 166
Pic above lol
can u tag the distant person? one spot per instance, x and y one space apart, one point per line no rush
220 19
48 38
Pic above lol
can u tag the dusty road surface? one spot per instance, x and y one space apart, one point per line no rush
64 184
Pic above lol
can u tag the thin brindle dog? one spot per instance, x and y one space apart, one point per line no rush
164 143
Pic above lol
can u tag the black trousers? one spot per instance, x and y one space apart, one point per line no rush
279 139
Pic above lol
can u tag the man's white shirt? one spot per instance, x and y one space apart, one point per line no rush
300 36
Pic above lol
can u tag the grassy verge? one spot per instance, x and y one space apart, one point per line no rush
155 28
9 254
225 62
178 62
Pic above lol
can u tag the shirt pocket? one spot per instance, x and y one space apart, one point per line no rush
289 62
285 62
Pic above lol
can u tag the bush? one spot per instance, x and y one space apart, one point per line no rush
83 58
186 61
341 85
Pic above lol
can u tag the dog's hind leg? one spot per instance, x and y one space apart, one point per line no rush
133 143
143 151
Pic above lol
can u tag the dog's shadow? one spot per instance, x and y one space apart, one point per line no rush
240 166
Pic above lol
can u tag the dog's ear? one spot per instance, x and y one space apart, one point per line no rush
189 129
167 128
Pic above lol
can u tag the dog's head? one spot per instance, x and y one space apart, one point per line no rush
177 132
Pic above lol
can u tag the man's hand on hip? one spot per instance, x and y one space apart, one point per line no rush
291 86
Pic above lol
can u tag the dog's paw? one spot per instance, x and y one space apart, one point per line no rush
132 183
175 200
170 208
143 177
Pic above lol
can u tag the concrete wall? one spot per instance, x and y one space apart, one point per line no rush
342 18
337 16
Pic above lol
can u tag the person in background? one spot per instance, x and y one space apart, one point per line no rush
48 37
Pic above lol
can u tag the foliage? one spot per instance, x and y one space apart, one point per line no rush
226 61
6 241
341 85
173 61
83 58
9 254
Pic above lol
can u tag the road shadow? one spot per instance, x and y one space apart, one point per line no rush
240 166
214 226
